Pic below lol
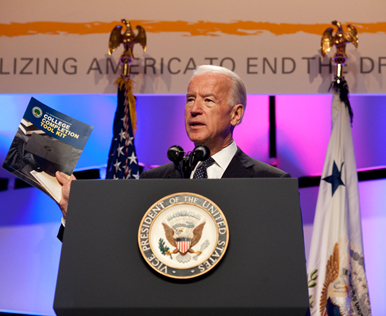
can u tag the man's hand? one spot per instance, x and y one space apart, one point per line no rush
66 186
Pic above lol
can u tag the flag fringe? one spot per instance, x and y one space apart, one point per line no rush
342 89
126 83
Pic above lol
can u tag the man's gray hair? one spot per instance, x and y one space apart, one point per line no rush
238 91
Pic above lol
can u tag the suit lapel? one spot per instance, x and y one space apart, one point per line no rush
239 166
175 173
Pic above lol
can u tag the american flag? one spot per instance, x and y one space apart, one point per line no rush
122 161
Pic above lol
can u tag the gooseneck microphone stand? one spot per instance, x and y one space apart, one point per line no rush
189 160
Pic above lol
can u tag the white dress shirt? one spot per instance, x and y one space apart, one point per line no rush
222 160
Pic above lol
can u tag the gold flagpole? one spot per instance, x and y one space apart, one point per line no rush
128 39
123 162
340 39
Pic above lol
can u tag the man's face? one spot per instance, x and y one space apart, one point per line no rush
209 118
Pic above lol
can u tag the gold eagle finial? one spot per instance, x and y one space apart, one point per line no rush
340 39
128 39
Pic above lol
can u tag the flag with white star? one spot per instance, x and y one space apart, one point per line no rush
336 271
122 161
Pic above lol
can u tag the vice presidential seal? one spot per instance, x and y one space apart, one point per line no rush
183 235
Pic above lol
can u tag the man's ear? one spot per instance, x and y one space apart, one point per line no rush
237 114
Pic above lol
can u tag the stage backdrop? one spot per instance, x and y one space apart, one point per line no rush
61 47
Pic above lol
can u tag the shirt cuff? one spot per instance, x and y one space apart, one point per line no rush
63 222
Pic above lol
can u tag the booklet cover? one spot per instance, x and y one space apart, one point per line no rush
46 141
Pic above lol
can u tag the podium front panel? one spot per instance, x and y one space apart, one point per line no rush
263 272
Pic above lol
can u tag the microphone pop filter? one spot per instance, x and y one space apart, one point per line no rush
199 153
175 154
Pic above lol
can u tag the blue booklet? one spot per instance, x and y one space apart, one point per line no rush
45 142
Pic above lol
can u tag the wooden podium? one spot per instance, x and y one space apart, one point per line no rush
263 272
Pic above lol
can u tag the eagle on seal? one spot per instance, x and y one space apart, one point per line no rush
183 238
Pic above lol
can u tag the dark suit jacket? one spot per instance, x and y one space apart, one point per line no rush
241 166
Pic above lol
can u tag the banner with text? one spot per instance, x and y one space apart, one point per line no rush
274 46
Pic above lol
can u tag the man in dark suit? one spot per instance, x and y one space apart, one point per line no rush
215 104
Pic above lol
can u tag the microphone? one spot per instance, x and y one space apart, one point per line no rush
189 161
199 153
175 154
